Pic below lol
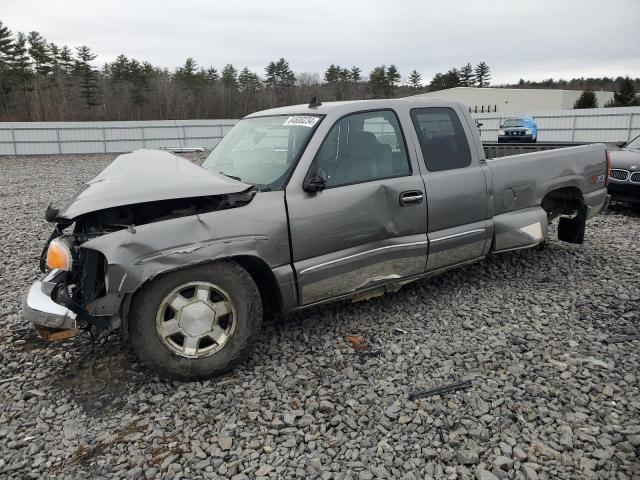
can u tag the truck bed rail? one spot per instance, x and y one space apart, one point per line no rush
497 150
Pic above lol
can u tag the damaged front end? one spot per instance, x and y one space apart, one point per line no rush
75 294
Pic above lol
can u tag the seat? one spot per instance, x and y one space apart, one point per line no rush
361 160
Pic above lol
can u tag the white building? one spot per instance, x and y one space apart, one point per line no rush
514 100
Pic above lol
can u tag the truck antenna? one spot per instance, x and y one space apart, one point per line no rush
314 103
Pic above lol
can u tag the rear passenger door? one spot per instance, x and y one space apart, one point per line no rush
368 226
456 189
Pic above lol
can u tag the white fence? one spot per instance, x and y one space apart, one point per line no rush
26 138
589 125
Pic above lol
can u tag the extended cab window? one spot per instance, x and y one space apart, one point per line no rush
442 139
363 147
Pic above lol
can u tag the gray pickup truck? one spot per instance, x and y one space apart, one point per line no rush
295 207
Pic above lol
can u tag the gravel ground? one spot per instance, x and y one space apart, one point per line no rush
549 398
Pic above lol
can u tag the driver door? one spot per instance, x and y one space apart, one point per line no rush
368 226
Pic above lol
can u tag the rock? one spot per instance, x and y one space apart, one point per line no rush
485 475
529 473
325 406
503 463
263 470
519 454
608 391
225 443
467 457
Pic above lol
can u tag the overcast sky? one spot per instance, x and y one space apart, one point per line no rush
518 39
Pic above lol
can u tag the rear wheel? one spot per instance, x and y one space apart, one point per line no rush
198 322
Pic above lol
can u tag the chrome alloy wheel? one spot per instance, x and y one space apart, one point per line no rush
196 319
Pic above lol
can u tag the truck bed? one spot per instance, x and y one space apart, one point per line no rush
523 181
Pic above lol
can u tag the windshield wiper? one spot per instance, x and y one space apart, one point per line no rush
231 176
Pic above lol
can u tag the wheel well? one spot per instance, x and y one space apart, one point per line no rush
264 279
562 201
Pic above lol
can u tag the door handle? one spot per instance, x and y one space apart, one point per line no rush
412 197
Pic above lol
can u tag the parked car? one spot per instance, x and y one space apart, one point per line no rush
295 207
624 177
519 129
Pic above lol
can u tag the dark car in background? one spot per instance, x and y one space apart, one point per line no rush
518 129
624 177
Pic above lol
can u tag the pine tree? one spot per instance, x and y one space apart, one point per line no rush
415 79
626 96
229 77
442 81
211 76
331 75
87 74
137 75
188 71
483 76
393 78
587 99
118 71
378 81
19 70
40 53
248 82
65 60
279 75
355 74
6 53
6 43
467 77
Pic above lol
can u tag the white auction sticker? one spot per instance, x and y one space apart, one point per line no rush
301 121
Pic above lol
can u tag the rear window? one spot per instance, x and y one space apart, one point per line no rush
443 142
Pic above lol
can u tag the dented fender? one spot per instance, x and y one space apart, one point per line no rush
137 255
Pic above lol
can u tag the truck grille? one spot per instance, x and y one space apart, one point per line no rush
515 133
635 177
619 174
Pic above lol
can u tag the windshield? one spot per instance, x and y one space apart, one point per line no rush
634 144
514 122
262 150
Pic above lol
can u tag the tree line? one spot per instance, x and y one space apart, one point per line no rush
42 81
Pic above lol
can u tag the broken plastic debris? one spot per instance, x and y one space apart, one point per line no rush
452 387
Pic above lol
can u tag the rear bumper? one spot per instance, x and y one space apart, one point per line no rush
42 311
515 138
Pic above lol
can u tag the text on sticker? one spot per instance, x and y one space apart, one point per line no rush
301 121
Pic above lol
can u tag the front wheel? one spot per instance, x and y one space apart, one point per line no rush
198 322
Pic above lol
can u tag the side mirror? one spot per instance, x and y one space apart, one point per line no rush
620 144
315 180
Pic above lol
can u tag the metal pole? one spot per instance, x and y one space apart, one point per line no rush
13 137
573 128
144 145
58 137
630 125
104 141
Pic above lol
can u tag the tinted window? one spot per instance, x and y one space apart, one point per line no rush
363 147
442 139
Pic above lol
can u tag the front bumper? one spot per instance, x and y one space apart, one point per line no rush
42 311
626 192
515 138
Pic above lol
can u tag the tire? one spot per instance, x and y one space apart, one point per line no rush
153 316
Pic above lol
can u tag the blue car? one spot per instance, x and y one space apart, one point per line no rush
518 129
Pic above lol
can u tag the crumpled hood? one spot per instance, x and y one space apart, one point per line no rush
146 176
625 159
